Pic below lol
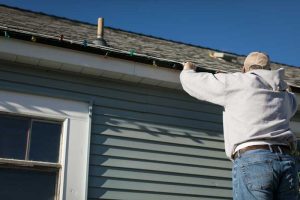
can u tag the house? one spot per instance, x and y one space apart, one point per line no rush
85 121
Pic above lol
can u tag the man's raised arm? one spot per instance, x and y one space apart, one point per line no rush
203 86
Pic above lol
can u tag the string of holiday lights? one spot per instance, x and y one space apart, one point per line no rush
85 43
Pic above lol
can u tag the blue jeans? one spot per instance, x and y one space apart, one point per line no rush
264 175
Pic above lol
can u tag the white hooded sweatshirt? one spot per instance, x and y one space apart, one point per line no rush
257 105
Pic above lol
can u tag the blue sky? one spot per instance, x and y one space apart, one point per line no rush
271 26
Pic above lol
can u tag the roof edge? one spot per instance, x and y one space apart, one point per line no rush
136 33
107 51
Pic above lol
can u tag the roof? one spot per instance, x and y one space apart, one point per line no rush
169 51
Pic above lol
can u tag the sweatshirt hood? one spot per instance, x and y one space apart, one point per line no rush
274 78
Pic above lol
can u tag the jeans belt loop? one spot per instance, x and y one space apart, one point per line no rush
280 150
270 147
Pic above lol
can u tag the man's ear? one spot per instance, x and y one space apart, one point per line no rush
243 70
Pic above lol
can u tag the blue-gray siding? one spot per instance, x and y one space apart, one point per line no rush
147 142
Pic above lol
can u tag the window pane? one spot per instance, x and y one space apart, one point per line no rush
16 184
45 141
13 137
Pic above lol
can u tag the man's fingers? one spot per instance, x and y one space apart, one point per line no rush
188 65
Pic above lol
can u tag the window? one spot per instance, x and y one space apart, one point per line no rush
29 157
28 163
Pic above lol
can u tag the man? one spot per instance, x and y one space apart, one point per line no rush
257 110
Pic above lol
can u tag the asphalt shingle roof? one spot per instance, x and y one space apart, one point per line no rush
78 31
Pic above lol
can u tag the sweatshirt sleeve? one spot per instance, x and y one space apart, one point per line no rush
204 86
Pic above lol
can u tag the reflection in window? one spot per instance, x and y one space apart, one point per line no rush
13 136
45 139
27 184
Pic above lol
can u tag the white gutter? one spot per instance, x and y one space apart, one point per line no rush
86 63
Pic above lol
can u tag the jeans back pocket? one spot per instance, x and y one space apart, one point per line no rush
258 175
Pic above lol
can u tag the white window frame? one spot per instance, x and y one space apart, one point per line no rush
75 140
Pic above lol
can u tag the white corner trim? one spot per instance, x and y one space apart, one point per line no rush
85 63
75 136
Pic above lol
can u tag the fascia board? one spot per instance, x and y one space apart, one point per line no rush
86 63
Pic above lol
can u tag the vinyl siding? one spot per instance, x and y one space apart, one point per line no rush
146 142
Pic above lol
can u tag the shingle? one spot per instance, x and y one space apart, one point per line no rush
120 39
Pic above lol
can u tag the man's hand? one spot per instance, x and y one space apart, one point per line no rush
188 65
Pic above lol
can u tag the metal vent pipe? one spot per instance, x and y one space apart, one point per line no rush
100 33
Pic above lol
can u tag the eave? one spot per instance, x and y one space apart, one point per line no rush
101 50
